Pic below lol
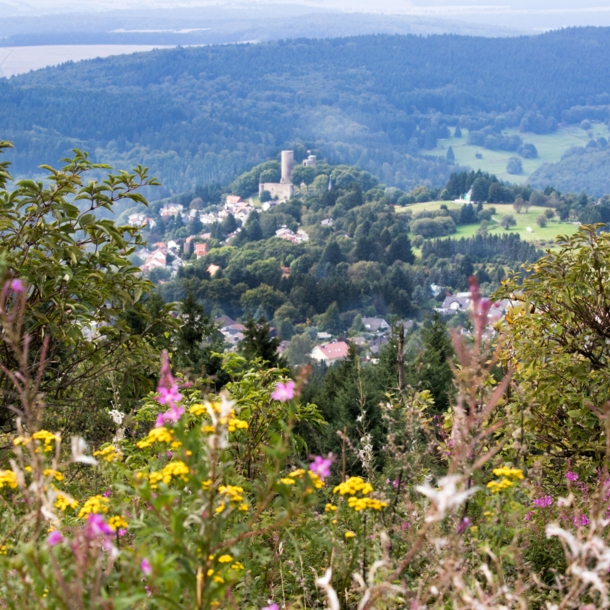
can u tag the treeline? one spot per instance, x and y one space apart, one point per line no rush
203 115
506 248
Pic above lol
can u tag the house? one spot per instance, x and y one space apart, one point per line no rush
377 343
296 238
207 219
170 209
201 250
155 261
454 303
173 245
223 322
213 270
375 325
231 201
330 352
136 220
327 222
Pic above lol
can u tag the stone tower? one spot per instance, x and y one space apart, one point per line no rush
287 165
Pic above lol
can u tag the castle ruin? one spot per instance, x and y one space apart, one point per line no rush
284 189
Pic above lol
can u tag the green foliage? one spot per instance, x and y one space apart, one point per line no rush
556 338
86 305
259 344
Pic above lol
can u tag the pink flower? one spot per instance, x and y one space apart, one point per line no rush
528 516
172 415
146 567
169 396
54 538
581 520
284 391
463 526
271 607
571 476
17 285
320 466
543 502
96 526
121 532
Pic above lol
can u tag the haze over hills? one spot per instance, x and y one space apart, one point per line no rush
199 115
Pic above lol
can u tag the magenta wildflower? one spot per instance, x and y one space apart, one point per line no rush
463 525
169 396
321 466
271 607
543 502
582 520
571 476
54 538
17 285
172 415
528 516
284 391
121 532
146 567
97 526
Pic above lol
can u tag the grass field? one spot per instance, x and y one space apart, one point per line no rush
550 149
543 237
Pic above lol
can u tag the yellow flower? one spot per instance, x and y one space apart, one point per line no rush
497 486
220 508
237 424
94 505
198 409
63 502
9 478
3 549
225 559
48 438
109 454
219 580
352 486
360 504
173 469
233 492
207 429
349 535
297 473
157 435
329 508
49 472
117 522
237 566
316 481
210 572
510 473
243 507
206 484
287 481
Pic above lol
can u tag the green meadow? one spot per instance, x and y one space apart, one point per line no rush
550 150
526 226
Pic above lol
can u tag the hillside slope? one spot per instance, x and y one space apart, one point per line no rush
202 114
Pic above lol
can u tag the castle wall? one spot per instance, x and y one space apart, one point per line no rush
282 191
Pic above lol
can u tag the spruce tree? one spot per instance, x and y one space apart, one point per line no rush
436 374
258 343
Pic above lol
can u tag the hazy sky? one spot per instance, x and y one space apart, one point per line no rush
394 6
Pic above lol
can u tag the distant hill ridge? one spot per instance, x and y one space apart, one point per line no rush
198 115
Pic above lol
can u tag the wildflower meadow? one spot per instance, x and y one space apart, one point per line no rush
192 496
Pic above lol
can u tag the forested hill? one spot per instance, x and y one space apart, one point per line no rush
197 115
